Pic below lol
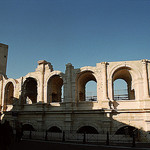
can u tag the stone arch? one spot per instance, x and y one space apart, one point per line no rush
129 75
81 80
127 130
34 76
88 68
54 87
29 91
50 125
55 129
28 127
83 124
59 73
14 82
11 80
8 94
124 74
135 72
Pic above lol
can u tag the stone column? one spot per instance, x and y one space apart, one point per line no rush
129 90
3 58
1 91
145 78
68 92
21 91
41 67
105 87
48 69
69 87
67 122
111 89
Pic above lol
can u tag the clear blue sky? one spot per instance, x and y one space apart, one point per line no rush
82 32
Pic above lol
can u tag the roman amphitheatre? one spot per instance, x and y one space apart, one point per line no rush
51 100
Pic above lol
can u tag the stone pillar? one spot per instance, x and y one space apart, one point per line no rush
68 122
3 58
68 88
145 78
1 92
111 89
48 69
41 68
129 90
21 91
104 75
68 96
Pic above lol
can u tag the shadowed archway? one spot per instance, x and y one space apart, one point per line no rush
29 91
9 95
87 130
54 129
54 89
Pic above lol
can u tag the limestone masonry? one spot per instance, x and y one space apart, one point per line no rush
48 98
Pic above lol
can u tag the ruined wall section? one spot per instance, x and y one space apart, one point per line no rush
134 69
69 84
146 81
103 73
102 84
3 58
148 68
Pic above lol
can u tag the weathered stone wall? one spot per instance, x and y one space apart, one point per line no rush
73 111
3 58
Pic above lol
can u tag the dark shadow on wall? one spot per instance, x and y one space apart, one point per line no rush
29 91
54 129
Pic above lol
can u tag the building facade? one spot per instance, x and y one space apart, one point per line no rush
48 99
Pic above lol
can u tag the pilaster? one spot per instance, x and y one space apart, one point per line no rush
1 91
145 79
104 76
42 68
68 89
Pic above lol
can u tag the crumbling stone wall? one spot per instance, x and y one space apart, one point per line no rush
38 98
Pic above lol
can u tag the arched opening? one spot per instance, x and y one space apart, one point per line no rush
87 87
122 85
87 130
127 130
28 127
120 90
30 91
91 91
54 89
55 129
9 94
